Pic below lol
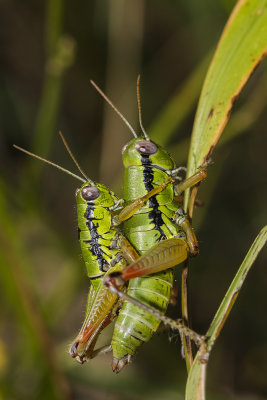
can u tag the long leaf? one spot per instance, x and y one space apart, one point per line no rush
241 48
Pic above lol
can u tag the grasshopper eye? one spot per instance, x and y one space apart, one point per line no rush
145 147
90 193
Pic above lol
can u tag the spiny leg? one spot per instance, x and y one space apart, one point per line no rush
83 346
128 251
164 255
100 311
89 352
191 181
129 210
102 308
100 351
174 324
182 220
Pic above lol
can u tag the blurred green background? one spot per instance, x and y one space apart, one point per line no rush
49 52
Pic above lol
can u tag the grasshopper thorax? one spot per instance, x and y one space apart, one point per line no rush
139 151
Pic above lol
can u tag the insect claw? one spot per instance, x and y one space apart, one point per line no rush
77 352
194 251
73 350
81 359
119 363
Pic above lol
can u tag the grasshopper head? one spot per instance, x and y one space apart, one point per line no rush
96 194
141 151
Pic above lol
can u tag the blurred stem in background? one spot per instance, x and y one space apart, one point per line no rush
125 37
16 275
16 282
179 106
60 50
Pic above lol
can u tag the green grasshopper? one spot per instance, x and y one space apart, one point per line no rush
105 250
160 232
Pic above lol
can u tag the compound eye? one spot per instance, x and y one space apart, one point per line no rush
90 193
145 147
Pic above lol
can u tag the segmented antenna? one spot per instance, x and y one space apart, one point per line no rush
49 162
114 108
74 159
139 108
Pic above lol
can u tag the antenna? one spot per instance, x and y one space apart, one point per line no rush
139 108
114 108
49 162
74 159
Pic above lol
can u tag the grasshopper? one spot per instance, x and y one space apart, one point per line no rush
105 251
160 232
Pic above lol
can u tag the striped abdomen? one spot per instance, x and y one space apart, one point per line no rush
144 230
135 326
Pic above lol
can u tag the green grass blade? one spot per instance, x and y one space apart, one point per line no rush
241 48
60 52
235 287
195 388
